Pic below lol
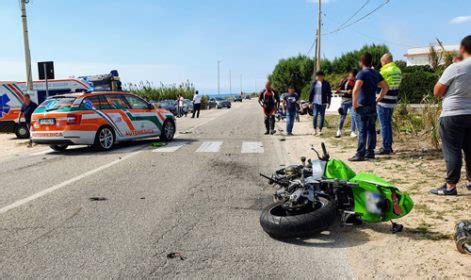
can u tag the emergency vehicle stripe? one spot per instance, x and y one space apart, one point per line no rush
14 94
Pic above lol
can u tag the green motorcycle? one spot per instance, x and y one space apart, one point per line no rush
311 196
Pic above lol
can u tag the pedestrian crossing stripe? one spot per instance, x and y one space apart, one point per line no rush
252 148
170 147
210 147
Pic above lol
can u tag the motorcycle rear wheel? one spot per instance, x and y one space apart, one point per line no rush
281 224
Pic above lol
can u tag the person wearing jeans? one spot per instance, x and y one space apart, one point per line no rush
320 96
345 90
290 101
386 104
364 104
455 121
366 119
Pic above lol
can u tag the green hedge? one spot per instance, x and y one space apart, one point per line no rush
416 86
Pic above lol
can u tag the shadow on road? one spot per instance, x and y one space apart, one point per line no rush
118 148
337 237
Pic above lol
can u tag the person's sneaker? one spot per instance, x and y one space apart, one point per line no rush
315 132
353 134
273 132
339 134
370 156
266 133
320 132
444 191
383 152
357 158
290 134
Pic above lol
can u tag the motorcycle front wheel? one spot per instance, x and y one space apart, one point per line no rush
282 224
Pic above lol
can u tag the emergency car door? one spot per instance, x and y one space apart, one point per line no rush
143 116
116 110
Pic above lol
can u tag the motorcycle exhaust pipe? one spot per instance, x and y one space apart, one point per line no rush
463 237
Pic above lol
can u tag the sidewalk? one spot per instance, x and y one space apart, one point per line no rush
426 248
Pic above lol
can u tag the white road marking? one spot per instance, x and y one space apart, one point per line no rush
210 147
252 148
170 147
64 184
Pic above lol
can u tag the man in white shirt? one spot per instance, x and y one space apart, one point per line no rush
455 121
196 105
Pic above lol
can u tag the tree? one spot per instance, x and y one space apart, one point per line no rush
349 60
296 71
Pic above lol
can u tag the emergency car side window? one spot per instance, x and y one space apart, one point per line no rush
136 103
93 100
117 102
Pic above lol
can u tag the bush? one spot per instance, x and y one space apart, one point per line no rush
148 91
416 86
296 71
349 60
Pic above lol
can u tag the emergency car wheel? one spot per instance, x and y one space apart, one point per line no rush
59 148
168 131
21 131
104 139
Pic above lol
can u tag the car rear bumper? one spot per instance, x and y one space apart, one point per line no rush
63 137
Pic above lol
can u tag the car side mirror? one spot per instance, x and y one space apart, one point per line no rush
150 106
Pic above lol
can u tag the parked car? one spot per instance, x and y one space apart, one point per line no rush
219 102
98 119
188 106
238 99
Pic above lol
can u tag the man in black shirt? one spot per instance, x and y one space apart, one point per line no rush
27 110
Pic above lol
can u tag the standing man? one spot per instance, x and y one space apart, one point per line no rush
364 104
320 95
196 105
386 103
345 91
27 110
290 102
455 121
269 100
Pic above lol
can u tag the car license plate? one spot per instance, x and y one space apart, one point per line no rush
47 121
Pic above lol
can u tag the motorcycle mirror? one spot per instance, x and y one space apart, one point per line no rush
317 153
303 160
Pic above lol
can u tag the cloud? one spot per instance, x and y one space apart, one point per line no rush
460 20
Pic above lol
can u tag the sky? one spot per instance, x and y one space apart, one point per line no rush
171 41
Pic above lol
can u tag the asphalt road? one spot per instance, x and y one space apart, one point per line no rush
82 214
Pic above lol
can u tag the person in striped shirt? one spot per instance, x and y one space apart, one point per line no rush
386 103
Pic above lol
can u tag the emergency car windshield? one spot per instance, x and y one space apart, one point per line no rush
57 103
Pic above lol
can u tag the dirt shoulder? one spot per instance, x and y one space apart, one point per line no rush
425 250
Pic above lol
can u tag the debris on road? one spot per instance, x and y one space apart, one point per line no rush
97 198
186 132
463 237
159 144
174 255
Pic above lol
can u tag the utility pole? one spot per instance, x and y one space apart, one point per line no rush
219 77
29 77
241 88
230 81
318 40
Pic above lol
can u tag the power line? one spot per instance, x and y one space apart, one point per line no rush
356 13
358 20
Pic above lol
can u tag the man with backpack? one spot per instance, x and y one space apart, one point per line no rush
269 100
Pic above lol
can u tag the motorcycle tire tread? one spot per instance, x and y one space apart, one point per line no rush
303 225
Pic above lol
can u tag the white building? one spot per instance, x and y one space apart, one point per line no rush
421 56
